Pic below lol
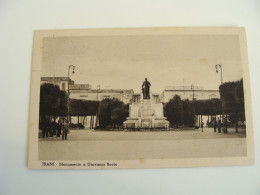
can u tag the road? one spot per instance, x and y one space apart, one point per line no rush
126 145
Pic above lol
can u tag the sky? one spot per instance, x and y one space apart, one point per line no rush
123 62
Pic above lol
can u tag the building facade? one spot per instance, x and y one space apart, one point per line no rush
85 91
187 92
123 95
62 82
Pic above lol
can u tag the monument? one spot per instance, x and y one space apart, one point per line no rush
146 89
146 111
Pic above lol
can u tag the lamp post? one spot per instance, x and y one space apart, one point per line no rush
195 117
98 88
192 88
220 67
69 68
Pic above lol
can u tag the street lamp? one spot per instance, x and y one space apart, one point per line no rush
192 88
69 68
195 117
98 88
220 67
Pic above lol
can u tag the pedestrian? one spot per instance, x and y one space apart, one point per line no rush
51 128
49 121
54 126
215 124
201 125
65 129
47 127
59 127
219 125
44 127
225 125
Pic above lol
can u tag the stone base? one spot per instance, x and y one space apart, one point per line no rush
146 114
146 123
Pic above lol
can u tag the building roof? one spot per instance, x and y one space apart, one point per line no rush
77 90
56 79
173 88
188 88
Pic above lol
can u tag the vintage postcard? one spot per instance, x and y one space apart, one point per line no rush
140 98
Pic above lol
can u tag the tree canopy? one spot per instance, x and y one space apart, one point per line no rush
183 112
83 107
112 112
208 107
174 110
188 112
232 96
53 101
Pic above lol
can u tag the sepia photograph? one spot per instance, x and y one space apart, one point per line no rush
130 97
140 98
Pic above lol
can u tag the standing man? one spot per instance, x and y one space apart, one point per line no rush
201 125
65 128
225 125
59 128
215 124
219 125
53 127
44 127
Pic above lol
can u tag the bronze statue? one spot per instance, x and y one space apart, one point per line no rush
146 89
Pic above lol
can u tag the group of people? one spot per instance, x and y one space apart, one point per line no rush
51 128
218 125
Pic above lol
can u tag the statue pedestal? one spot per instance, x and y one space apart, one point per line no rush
146 114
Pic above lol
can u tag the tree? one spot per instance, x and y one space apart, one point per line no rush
84 108
188 113
93 111
174 111
183 112
232 97
112 112
208 107
92 107
216 106
53 101
63 103
119 114
78 108
104 113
